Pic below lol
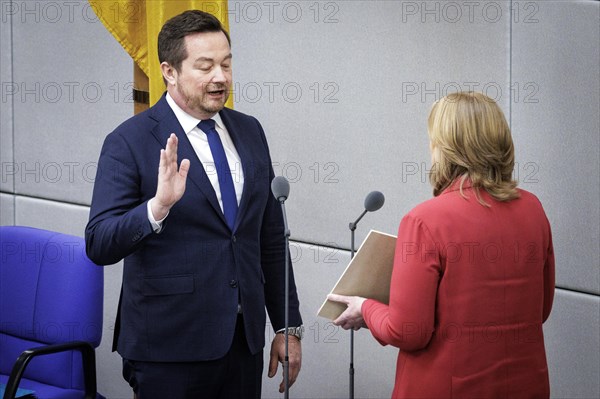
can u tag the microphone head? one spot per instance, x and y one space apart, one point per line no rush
280 188
374 201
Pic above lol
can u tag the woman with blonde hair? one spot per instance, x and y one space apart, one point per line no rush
473 276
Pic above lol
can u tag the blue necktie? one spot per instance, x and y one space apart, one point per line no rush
228 196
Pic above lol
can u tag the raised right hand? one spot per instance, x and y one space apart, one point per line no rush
171 179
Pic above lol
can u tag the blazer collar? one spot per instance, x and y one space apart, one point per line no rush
455 186
240 141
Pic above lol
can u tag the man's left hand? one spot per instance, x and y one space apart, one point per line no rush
278 355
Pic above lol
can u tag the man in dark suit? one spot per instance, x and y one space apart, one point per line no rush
202 241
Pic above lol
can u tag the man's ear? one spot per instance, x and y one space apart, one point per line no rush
169 73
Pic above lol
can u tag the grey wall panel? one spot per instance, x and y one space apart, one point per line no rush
326 348
344 89
557 129
74 86
572 337
6 106
7 209
51 215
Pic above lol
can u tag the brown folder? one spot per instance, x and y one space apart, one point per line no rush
368 274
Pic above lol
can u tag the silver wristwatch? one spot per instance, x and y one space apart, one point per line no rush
297 332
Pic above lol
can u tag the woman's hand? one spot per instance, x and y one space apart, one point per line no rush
352 317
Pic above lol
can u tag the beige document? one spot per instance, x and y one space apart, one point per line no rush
368 274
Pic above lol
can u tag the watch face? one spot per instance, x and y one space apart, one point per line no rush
299 332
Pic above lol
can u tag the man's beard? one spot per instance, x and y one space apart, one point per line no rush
199 101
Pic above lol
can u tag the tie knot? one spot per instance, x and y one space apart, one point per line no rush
207 125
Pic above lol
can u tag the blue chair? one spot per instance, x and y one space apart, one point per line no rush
50 315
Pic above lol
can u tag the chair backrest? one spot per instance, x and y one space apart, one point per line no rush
50 292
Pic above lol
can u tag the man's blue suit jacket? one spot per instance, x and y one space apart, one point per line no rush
181 287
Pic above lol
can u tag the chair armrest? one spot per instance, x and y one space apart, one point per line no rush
88 359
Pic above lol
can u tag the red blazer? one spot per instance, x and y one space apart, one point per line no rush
470 290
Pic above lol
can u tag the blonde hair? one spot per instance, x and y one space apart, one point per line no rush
472 141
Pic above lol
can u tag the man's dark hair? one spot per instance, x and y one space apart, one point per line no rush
171 39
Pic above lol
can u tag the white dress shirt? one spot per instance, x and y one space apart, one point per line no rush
199 142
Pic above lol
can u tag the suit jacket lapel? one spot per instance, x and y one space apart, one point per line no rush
236 132
167 123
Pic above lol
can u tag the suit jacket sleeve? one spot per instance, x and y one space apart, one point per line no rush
118 215
408 322
273 263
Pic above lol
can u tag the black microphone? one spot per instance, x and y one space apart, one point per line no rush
374 201
281 188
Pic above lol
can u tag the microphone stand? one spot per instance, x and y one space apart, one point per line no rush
352 228
286 365
281 189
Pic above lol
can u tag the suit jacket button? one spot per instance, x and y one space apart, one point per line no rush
233 284
234 238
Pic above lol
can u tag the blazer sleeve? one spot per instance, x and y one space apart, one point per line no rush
273 261
549 278
118 215
408 322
